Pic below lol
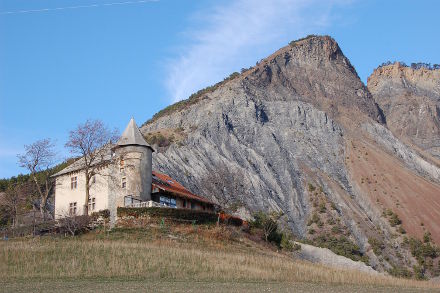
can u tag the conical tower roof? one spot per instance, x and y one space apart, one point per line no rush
132 136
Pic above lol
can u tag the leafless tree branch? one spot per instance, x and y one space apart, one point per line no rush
91 142
39 159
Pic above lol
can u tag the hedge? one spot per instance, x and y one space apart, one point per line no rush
183 214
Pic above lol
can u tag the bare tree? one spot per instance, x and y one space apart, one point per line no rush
74 224
14 199
225 185
91 142
39 159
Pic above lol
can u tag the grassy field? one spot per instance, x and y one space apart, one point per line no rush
185 258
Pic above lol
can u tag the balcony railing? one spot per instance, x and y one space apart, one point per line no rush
145 204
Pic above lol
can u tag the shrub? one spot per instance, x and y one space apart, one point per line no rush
105 214
341 246
315 219
376 245
421 251
394 220
419 272
183 214
74 224
311 187
331 221
288 244
400 272
401 230
269 224
427 237
322 207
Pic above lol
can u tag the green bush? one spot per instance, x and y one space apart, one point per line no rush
342 246
394 220
268 222
315 219
400 272
288 244
421 251
419 272
322 207
377 245
427 237
160 212
401 230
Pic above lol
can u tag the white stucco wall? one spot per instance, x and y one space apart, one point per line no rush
64 195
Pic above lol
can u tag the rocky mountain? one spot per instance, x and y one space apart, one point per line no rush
301 133
410 99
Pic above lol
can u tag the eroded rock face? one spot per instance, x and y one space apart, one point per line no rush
286 124
270 124
410 99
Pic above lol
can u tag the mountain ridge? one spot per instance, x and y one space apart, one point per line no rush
302 118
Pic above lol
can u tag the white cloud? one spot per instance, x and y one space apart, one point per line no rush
238 34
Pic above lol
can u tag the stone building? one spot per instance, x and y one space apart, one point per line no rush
124 178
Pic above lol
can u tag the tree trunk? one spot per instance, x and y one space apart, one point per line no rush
86 204
43 203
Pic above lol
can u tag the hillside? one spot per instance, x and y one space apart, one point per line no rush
164 258
305 136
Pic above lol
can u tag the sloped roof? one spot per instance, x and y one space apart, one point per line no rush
132 136
168 184
105 156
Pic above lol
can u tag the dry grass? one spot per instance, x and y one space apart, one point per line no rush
136 257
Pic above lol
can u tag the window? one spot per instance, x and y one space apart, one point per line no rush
124 182
184 203
73 182
91 204
121 163
169 202
72 208
193 205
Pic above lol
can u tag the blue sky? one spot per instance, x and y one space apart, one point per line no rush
64 61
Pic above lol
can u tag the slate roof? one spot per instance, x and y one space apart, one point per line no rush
132 136
168 184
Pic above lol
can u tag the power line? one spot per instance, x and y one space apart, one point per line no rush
77 7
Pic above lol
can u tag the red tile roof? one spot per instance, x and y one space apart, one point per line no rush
166 183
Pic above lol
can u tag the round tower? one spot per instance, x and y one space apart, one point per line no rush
133 159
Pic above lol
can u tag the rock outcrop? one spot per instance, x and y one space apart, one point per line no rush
289 126
410 99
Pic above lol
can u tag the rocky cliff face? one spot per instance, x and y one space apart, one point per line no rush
410 99
297 128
